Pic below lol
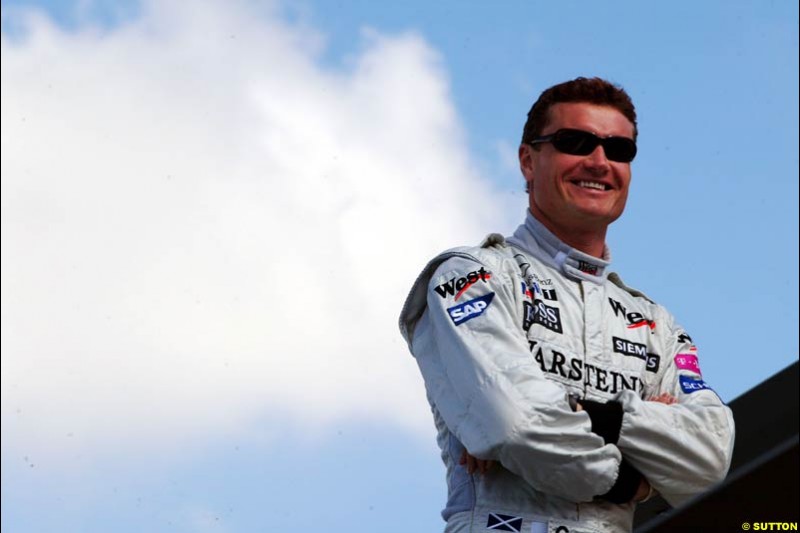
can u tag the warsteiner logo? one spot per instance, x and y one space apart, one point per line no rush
459 286
634 320
570 367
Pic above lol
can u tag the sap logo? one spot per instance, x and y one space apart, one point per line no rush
634 349
469 310
690 385
634 320
539 313
459 286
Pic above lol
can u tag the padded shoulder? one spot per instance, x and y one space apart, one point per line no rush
492 251
614 278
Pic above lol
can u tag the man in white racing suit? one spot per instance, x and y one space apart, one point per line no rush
582 394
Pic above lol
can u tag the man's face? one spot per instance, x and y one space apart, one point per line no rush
575 193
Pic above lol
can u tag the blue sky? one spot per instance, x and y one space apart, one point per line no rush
197 196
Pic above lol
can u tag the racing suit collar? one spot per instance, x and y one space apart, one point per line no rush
533 235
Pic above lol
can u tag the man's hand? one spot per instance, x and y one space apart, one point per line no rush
473 463
643 492
665 397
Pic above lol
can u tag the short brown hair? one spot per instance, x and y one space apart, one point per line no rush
586 90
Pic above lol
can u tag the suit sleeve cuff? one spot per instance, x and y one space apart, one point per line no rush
606 419
625 487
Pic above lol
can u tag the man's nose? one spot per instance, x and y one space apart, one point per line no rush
597 161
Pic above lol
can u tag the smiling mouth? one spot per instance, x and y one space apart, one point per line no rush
595 185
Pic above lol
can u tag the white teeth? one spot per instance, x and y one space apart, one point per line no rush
592 185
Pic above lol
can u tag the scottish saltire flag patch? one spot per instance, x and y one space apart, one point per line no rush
504 522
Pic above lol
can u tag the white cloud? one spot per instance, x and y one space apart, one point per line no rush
203 225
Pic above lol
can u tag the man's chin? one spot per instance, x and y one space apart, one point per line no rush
602 215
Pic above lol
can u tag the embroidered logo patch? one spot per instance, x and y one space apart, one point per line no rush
471 309
635 349
634 320
687 361
504 522
540 313
458 286
690 385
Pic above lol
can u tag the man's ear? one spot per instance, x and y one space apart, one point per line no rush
526 164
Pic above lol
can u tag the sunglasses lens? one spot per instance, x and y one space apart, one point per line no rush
578 142
620 149
575 142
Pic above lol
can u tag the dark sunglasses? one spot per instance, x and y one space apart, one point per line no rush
579 142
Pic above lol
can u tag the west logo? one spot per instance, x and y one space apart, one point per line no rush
539 313
634 320
459 286
634 349
469 310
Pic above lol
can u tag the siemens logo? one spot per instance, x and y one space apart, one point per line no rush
635 349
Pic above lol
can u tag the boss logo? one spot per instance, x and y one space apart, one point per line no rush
544 315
